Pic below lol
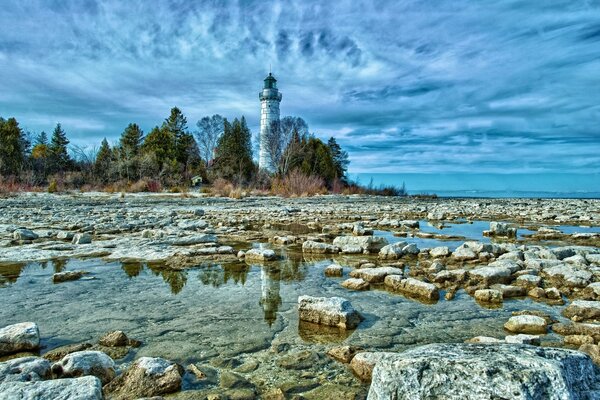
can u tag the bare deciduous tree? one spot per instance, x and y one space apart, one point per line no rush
279 139
209 131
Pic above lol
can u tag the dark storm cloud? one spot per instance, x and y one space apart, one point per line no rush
404 85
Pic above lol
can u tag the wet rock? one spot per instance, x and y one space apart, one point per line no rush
332 311
569 276
591 291
344 354
490 275
375 275
537 313
484 372
523 339
355 284
592 350
537 293
334 270
464 253
298 360
363 363
575 328
117 339
83 363
502 229
368 243
260 255
25 369
392 251
231 380
311 246
578 340
24 336
414 287
58 353
147 377
583 310
439 252
553 293
526 324
84 388
82 238
66 276
488 296
528 281
509 291
24 234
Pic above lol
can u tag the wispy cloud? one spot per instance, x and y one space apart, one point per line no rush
406 86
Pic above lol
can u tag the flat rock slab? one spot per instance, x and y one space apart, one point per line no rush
583 310
526 324
19 337
331 311
484 371
84 388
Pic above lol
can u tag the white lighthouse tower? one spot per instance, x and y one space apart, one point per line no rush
269 113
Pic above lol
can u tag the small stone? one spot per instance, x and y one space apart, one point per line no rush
355 284
82 238
66 276
523 339
334 270
343 354
488 296
526 324
24 336
83 363
114 339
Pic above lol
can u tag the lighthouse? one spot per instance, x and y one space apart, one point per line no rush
270 98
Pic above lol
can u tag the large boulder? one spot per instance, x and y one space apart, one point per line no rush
484 371
87 362
502 229
84 388
24 336
147 377
368 244
25 369
331 311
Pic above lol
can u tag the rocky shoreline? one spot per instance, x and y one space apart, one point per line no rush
369 244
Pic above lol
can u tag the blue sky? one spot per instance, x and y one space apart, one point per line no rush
406 86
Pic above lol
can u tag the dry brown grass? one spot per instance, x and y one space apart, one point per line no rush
296 184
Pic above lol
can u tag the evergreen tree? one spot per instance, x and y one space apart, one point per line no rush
12 147
234 152
161 144
340 158
41 138
59 157
103 161
129 151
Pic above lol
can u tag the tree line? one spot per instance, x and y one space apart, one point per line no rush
171 156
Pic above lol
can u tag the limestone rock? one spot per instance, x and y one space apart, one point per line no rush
82 238
334 270
363 363
578 340
260 255
392 251
84 388
58 353
439 252
87 362
311 246
375 275
583 310
114 339
502 229
458 371
147 377
526 324
19 337
356 284
343 354
523 339
490 275
488 296
414 287
25 369
368 243
332 311
66 276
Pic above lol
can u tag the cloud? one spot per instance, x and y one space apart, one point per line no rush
404 85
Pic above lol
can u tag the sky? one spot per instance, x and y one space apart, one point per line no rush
405 86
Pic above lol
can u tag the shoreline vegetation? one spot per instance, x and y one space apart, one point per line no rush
215 159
